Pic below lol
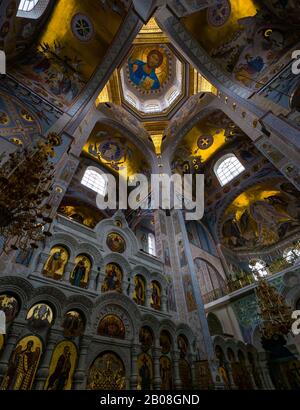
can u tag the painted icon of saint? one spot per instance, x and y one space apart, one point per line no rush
143 73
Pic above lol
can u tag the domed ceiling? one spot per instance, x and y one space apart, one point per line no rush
152 78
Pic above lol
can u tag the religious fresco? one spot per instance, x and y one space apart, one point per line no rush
10 306
107 373
73 324
148 67
145 372
185 374
55 265
62 367
40 316
23 364
242 37
261 216
222 368
166 376
146 338
283 90
79 212
80 274
155 295
111 326
67 55
165 342
171 299
189 293
116 242
113 278
111 148
183 345
203 141
139 290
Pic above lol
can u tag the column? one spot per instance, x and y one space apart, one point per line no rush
192 360
230 376
92 280
43 371
163 301
79 376
249 370
13 336
176 373
134 370
266 378
67 273
148 296
156 366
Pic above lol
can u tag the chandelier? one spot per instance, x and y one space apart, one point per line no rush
25 184
275 314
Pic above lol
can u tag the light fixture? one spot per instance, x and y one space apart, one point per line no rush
25 185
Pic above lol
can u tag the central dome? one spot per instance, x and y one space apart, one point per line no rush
152 78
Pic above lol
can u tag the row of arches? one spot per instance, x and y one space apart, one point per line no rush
113 280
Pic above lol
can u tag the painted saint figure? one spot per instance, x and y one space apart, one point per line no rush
79 273
54 267
143 73
113 278
60 376
21 367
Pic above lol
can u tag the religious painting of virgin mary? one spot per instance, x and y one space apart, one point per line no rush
143 73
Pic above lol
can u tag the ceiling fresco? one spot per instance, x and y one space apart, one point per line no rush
66 55
242 37
261 216
113 150
203 141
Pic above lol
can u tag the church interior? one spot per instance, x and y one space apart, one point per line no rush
142 298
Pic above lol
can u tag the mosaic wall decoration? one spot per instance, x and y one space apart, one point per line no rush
23 364
62 367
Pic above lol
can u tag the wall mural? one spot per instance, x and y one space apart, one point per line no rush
189 293
23 364
139 290
65 58
203 141
112 149
113 278
111 326
155 295
107 373
80 274
56 262
165 342
10 306
40 316
284 90
243 38
62 367
146 338
116 242
165 366
73 324
148 67
185 374
145 372
261 216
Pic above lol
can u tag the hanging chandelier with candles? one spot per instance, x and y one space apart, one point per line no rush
25 185
275 314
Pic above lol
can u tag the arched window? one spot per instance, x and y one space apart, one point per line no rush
227 168
32 9
258 268
94 179
151 244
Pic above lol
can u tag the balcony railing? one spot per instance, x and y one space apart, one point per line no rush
246 279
